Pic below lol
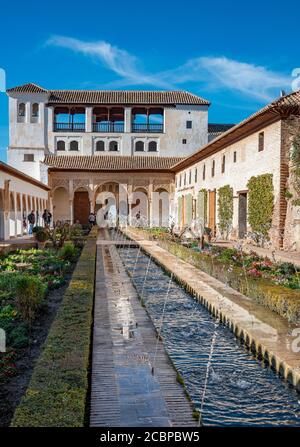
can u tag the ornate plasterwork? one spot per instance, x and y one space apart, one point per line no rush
60 182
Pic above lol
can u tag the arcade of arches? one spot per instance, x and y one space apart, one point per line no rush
19 195
134 197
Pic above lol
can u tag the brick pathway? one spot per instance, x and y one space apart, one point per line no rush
124 391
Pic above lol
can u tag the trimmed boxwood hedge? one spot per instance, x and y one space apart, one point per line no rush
56 395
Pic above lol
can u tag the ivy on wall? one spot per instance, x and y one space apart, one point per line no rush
295 158
261 203
188 208
202 207
225 209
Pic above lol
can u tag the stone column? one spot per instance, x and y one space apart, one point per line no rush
129 200
127 119
51 206
88 119
21 203
150 201
71 211
6 210
28 112
50 112
15 214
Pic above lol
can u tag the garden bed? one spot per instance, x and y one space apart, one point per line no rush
32 284
272 284
57 392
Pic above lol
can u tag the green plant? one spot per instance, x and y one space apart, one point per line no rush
188 208
261 203
202 207
30 293
58 235
68 252
41 235
287 194
225 209
36 229
8 312
18 336
58 389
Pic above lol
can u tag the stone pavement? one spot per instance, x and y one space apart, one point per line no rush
17 243
125 391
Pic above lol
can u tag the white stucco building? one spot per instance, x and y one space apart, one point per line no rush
80 122
19 195
84 143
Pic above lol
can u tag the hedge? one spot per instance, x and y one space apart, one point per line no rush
57 393
275 297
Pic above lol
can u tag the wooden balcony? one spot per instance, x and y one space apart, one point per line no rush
147 128
108 127
69 127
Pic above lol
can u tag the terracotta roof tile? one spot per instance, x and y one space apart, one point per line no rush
28 88
110 162
124 97
113 96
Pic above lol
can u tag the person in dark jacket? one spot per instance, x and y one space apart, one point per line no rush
31 220
47 216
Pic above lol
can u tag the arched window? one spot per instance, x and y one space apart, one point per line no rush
100 146
61 145
74 146
152 146
139 146
113 146
35 110
21 110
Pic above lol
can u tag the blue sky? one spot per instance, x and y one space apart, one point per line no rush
239 58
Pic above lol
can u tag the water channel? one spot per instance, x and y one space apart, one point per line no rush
236 388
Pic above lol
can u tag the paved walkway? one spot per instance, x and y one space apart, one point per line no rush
277 255
125 392
17 243
263 330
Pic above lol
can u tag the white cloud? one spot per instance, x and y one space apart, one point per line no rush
115 59
209 73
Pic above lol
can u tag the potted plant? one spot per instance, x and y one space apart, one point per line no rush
41 236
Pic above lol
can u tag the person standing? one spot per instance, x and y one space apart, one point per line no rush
31 220
92 219
46 217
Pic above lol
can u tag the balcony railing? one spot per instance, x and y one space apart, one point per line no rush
108 127
69 127
155 128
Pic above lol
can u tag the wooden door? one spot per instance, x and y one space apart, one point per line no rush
242 215
212 212
81 207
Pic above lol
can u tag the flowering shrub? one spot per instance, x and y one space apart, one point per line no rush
254 273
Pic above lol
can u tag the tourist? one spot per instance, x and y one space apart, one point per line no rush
92 219
47 216
31 220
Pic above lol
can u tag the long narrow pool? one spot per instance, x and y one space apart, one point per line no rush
241 390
